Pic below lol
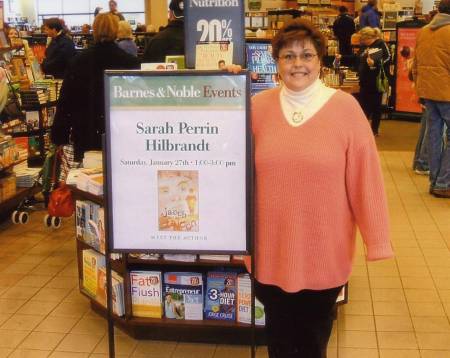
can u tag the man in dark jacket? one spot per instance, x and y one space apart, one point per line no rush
170 40
80 112
370 15
60 50
344 28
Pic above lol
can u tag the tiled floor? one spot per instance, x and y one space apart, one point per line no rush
398 308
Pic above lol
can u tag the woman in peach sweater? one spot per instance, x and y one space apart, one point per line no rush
318 177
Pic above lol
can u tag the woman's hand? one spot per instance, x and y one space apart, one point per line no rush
233 68
370 62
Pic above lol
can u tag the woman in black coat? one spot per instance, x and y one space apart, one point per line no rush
374 54
80 112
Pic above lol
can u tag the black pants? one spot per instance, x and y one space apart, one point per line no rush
371 105
298 325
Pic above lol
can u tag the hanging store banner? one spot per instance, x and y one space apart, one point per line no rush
177 146
214 21
406 99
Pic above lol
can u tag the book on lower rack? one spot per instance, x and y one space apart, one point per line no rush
146 293
92 263
183 295
94 281
118 297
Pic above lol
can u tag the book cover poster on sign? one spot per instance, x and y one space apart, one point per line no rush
177 147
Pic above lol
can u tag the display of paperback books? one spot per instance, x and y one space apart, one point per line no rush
92 263
220 300
183 295
118 297
244 298
146 294
90 224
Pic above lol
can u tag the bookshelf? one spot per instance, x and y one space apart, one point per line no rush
206 331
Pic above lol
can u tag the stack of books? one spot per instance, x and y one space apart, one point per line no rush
351 78
53 87
33 97
90 180
93 159
26 177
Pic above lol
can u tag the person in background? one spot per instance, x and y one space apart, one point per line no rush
80 112
141 28
314 153
60 50
374 54
431 72
97 10
343 29
369 15
170 40
113 10
420 161
125 38
86 29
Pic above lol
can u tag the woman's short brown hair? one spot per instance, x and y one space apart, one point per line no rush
299 30
105 27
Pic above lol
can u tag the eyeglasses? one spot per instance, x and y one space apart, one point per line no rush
291 58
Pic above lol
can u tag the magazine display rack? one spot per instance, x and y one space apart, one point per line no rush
206 331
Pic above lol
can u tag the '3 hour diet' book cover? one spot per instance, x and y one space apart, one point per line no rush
178 194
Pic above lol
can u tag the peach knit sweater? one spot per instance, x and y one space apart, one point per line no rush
314 184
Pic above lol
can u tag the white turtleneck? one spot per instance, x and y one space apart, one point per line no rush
299 107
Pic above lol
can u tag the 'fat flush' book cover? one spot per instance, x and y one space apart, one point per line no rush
178 194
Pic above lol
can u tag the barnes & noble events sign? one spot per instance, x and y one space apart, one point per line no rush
177 162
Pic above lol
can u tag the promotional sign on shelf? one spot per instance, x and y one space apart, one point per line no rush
406 99
214 21
177 161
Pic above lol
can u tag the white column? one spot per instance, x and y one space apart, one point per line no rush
28 9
